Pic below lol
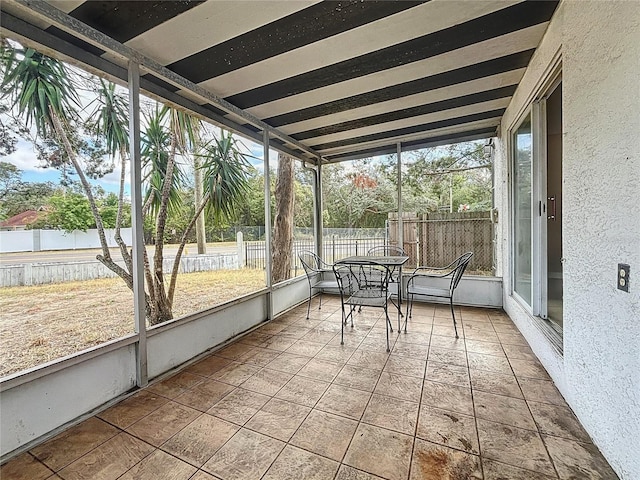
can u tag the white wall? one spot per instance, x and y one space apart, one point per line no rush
25 240
599 372
35 408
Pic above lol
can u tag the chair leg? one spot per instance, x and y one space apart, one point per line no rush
455 328
388 326
309 304
320 304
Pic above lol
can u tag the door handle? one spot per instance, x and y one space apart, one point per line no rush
552 207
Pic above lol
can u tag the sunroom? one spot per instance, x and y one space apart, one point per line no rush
552 87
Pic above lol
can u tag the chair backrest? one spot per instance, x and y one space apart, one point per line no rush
310 262
386 250
362 275
347 280
459 266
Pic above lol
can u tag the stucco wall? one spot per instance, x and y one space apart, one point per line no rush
599 372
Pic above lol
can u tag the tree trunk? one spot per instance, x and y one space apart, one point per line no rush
201 238
283 223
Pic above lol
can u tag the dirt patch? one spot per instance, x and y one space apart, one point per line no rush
42 323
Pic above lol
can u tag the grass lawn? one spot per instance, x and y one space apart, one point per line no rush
45 322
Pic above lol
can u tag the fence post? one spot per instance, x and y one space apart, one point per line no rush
356 247
333 249
28 274
239 244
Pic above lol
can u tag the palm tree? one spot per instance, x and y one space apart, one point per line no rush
43 92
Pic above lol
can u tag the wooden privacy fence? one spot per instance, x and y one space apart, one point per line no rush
435 239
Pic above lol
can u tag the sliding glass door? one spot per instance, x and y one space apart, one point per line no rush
522 191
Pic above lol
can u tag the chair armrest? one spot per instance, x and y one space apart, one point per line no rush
421 272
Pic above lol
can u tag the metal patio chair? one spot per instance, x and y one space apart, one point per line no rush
363 284
315 268
394 281
432 282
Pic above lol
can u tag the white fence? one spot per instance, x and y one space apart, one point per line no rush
46 273
37 240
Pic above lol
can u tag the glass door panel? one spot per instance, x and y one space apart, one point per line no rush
522 210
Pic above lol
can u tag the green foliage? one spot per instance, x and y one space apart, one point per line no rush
109 120
39 87
70 212
225 172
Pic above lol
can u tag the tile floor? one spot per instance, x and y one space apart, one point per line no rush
289 402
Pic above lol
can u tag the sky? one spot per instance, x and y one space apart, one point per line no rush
25 158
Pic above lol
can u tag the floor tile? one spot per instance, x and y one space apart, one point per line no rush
448 330
451 357
24 467
160 465
259 356
446 373
199 440
239 406
368 359
304 348
109 460
71 444
448 342
447 397
234 351
289 363
492 363
415 350
295 464
175 385
519 352
358 377
255 338
247 456
319 336
514 446
541 391
345 401
349 473
392 413
132 409
278 343
323 370
278 419
235 373
304 391
501 409
436 462
267 381
208 366
164 422
500 471
486 348
492 382
325 434
204 395
399 386
294 332
558 421
578 460
423 338
529 369
339 354
448 428
201 475
381 452
413 367
511 338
